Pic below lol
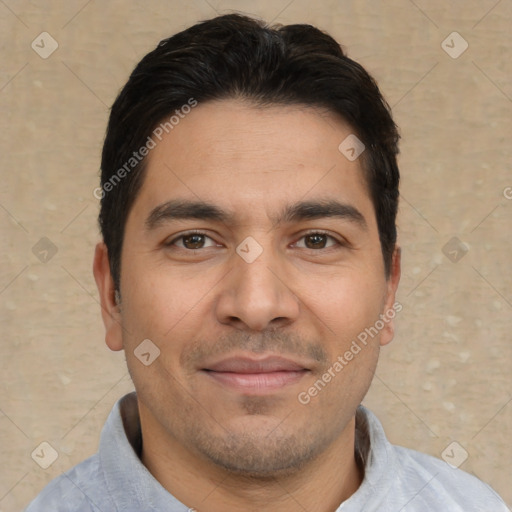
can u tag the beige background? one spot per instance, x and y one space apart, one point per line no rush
445 378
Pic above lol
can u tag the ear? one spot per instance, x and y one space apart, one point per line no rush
109 309
391 307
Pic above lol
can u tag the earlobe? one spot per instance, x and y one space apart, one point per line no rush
109 308
391 306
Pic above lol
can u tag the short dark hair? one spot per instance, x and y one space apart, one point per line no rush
234 56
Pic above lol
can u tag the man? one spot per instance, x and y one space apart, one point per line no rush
248 269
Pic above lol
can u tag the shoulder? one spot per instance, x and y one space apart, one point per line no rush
398 478
81 489
431 482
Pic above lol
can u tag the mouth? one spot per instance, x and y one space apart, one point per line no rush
256 376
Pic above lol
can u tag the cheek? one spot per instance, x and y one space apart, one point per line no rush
165 303
347 303
162 310
157 306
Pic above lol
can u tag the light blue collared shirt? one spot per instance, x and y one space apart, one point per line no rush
396 478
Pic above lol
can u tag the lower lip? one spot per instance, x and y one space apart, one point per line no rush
257 382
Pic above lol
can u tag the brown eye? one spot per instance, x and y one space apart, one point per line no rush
192 241
316 241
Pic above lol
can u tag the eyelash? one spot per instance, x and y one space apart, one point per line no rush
309 233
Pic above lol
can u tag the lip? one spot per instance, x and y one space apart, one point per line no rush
256 376
268 364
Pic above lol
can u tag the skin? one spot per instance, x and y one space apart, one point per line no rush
213 446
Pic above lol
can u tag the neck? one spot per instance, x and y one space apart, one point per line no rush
320 486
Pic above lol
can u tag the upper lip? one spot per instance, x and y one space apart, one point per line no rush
244 364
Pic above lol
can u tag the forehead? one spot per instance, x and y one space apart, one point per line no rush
238 154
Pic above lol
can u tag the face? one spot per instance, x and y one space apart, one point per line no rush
252 260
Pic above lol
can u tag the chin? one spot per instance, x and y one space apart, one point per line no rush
262 453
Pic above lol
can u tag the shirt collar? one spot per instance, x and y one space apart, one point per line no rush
133 488
130 484
380 464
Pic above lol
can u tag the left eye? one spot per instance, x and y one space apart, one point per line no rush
318 240
193 241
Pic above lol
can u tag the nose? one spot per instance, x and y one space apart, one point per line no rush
257 296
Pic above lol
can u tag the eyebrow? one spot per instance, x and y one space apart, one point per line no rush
180 209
